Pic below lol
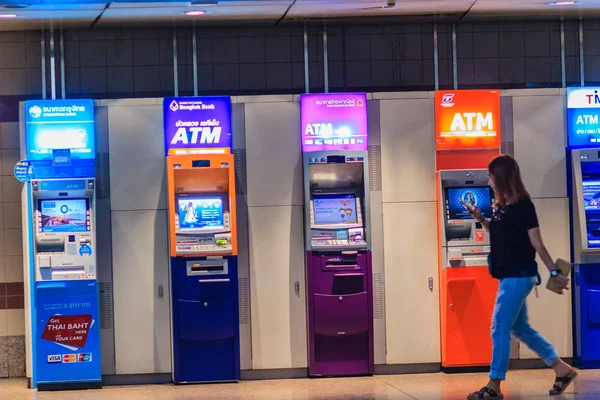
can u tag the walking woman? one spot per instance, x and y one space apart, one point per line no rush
515 238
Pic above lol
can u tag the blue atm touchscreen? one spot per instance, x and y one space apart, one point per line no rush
200 213
477 196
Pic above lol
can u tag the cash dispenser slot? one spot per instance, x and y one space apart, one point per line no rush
207 267
348 283
341 265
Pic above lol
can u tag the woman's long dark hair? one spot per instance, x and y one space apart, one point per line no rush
509 186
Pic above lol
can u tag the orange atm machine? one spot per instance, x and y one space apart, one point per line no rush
467 139
203 240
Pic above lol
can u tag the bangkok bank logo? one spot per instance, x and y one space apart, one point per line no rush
174 106
35 111
447 100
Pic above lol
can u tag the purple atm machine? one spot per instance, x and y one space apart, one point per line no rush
337 232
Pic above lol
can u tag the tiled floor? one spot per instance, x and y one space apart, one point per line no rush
522 385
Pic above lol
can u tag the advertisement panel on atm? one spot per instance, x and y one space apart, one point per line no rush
583 116
66 125
196 125
68 333
467 119
334 122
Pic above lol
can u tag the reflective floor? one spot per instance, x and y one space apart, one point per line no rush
521 385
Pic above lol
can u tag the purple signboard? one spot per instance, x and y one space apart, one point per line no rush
334 121
197 125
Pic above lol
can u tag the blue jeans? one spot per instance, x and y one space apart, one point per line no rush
510 316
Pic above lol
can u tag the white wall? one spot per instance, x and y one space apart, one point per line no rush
139 236
275 219
540 141
410 229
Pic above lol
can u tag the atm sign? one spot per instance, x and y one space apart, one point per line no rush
467 119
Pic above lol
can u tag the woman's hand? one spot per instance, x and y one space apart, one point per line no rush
562 281
473 211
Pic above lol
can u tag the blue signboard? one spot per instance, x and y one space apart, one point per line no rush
66 125
197 125
583 117
68 332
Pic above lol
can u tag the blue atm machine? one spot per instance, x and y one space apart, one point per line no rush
583 155
62 311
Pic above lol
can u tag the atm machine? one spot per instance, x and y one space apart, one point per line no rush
62 310
467 139
337 232
203 240
583 154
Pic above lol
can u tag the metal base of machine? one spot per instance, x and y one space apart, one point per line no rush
56 387
586 364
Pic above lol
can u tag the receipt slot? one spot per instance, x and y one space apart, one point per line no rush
338 238
59 236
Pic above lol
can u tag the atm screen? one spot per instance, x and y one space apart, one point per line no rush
64 215
200 213
335 209
480 196
591 204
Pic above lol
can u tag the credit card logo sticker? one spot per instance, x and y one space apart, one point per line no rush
69 358
84 357
54 358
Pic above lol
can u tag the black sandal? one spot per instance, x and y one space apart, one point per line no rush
562 383
481 395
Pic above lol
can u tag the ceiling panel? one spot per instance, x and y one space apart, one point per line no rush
260 10
508 7
362 8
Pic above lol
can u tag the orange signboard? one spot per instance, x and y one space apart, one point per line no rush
467 119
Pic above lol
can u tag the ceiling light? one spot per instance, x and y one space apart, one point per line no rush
195 13
8 15
563 3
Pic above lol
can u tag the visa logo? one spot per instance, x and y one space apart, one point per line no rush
467 122
203 135
54 358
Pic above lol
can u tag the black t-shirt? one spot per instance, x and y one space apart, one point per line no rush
513 256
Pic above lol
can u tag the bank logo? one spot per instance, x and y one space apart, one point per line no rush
54 358
447 100
174 106
360 103
35 111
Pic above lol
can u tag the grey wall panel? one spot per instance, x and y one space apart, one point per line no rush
554 224
411 259
276 263
142 318
408 150
378 285
137 157
273 154
244 277
539 129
